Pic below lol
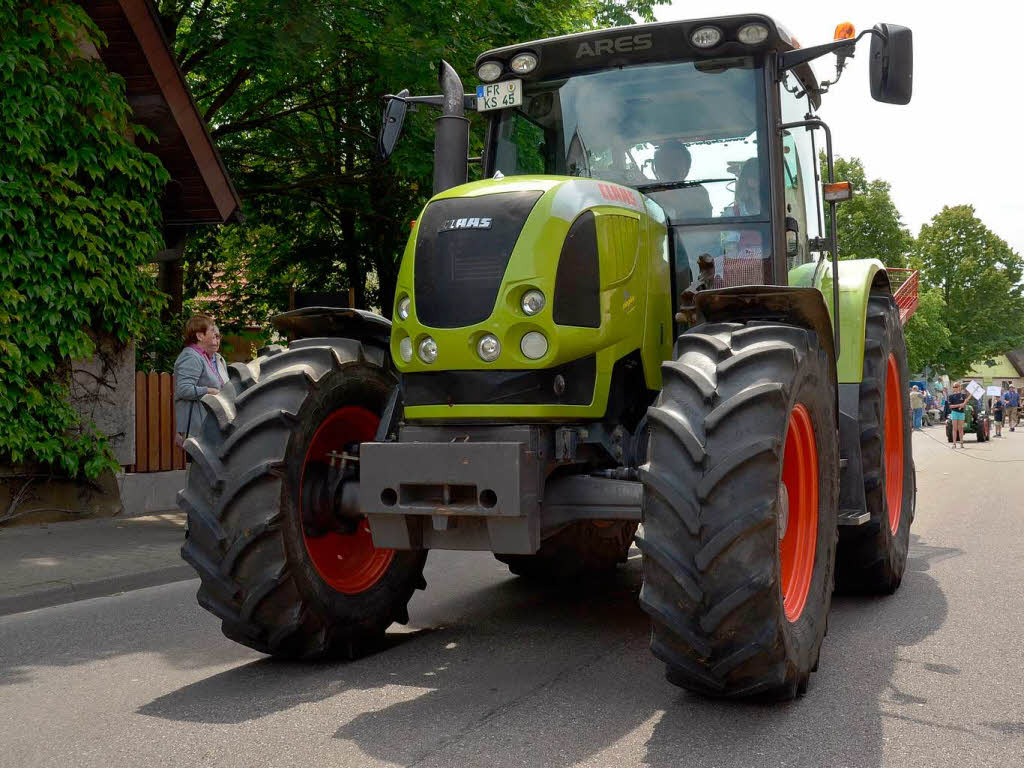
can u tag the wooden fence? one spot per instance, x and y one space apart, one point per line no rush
155 450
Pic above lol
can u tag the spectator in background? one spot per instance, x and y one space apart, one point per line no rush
1011 401
997 415
196 374
956 402
917 405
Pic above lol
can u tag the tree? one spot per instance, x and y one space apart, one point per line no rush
978 277
926 333
292 94
870 225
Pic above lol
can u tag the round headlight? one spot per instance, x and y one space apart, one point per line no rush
752 34
534 345
533 302
706 37
428 350
523 63
405 349
488 348
489 71
404 304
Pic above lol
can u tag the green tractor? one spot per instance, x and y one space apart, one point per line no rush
634 319
976 421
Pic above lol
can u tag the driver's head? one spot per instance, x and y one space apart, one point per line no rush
671 161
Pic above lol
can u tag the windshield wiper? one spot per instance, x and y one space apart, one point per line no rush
662 186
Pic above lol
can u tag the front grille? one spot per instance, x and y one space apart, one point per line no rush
459 269
527 387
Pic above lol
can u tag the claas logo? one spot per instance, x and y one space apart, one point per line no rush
473 222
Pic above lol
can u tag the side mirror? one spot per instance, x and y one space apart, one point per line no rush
394 117
792 239
892 64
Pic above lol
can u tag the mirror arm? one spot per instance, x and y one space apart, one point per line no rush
842 48
469 100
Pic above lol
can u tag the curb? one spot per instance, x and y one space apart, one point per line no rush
72 593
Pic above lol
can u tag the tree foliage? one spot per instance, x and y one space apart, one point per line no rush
869 225
78 219
927 334
292 92
978 277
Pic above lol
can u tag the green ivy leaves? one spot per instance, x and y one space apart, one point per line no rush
79 217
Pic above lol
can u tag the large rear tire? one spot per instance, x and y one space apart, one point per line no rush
585 548
277 587
739 509
872 557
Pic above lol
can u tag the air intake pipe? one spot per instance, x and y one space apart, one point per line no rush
451 135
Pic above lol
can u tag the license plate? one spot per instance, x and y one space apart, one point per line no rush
499 95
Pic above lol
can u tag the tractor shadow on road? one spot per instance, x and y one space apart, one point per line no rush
512 675
841 719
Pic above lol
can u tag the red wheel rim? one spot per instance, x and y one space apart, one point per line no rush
800 485
893 443
348 562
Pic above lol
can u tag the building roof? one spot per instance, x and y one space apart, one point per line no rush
1016 358
1002 369
200 191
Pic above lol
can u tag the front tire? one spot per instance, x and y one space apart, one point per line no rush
743 447
276 586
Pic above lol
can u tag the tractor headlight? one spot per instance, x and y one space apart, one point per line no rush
488 348
534 345
489 71
428 350
752 34
706 37
405 349
523 63
404 305
533 302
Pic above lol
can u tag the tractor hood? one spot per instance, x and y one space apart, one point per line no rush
465 237
589 248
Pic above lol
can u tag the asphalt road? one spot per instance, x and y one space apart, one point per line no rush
493 673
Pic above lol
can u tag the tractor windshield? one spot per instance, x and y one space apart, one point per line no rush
687 134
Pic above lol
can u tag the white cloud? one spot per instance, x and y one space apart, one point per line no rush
959 139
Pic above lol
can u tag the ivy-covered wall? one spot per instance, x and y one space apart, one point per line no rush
79 216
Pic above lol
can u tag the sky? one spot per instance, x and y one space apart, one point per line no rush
959 139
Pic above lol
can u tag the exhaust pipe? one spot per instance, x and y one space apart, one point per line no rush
451 133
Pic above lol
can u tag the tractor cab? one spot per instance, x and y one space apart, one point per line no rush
711 120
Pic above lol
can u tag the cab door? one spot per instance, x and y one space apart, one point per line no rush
801 181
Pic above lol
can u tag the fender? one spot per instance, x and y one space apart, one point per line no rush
315 322
803 306
856 279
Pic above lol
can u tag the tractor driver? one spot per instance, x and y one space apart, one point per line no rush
672 163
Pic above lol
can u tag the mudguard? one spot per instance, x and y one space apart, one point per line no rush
316 322
856 279
803 306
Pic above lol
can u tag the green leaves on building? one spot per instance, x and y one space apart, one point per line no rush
78 219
